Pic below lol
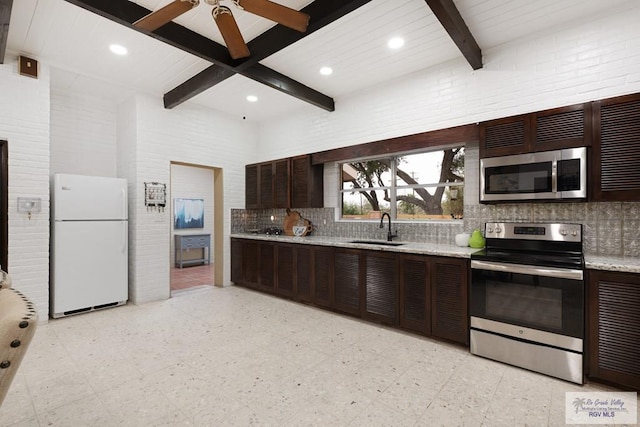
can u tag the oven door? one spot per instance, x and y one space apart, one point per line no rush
532 298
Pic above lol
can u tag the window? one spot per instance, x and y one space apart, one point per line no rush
423 186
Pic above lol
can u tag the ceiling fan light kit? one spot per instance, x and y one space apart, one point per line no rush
225 21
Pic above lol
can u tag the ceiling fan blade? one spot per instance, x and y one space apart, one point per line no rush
230 32
165 14
276 12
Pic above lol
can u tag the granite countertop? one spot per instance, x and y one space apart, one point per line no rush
406 247
611 263
593 262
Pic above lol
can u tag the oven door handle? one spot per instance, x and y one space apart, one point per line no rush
561 273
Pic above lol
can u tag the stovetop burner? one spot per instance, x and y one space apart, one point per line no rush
537 244
273 231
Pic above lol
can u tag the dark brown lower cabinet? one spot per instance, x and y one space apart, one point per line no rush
236 261
267 260
346 284
449 290
303 273
322 276
415 295
613 318
420 293
250 259
381 287
285 278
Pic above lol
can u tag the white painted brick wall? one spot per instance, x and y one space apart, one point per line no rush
187 134
24 123
188 182
83 134
589 61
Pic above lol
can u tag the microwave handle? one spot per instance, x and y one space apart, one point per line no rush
554 176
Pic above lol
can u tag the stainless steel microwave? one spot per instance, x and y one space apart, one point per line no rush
546 175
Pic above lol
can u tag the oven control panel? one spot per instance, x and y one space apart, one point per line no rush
554 232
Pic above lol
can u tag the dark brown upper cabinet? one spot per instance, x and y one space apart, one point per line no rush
306 183
558 128
615 174
284 183
281 177
251 187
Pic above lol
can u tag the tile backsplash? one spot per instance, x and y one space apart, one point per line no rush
610 229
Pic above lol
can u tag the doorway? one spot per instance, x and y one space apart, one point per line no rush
196 210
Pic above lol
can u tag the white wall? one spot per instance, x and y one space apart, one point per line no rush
24 122
83 134
187 134
593 61
188 182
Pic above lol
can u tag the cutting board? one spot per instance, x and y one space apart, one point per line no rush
294 218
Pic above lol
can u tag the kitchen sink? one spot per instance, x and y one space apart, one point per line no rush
376 242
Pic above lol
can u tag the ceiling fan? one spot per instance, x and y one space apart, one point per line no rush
225 21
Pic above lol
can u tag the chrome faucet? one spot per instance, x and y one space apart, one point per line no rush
390 235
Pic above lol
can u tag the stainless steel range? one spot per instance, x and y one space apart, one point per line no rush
527 298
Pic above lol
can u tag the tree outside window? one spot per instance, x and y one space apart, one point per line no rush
422 186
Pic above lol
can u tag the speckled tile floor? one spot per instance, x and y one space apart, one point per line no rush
229 356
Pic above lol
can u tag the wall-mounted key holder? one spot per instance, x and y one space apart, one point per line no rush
155 195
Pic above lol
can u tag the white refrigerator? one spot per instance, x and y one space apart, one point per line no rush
89 244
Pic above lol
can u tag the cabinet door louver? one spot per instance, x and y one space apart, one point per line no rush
281 183
347 282
285 270
322 279
505 136
303 273
250 263
381 287
266 186
267 262
415 303
614 327
449 293
236 261
565 126
300 182
252 200
618 332
620 147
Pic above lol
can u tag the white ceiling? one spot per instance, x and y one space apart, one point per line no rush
74 42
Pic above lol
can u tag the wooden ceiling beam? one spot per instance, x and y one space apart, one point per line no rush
451 20
126 13
322 13
5 17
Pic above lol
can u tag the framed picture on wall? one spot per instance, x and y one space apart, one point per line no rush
188 213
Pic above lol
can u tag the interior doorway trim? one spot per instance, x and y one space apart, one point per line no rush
4 204
217 245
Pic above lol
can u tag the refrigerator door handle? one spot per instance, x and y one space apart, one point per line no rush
123 248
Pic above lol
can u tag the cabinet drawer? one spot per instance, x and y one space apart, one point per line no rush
195 241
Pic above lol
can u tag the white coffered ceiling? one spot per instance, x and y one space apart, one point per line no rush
74 42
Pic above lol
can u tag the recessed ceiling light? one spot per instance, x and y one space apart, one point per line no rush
326 71
118 49
252 98
396 43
